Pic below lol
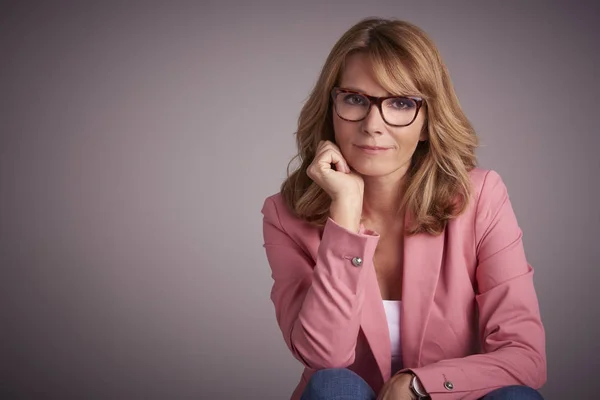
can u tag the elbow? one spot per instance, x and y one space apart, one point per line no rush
326 352
536 374
318 357
541 375
318 361
338 362
536 380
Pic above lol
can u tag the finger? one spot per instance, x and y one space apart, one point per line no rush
323 144
330 156
330 144
341 166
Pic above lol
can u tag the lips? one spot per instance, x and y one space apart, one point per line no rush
374 147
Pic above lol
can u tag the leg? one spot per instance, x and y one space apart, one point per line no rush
514 393
337 384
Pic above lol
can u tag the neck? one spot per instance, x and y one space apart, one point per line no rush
382 197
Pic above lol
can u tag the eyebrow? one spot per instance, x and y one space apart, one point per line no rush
353 88
350 87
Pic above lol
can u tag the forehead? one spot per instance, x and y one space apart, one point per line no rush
377 76
358 74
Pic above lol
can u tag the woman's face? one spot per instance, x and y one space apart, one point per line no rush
400 142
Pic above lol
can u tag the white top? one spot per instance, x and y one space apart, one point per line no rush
392 312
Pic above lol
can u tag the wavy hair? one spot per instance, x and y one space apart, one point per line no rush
405 61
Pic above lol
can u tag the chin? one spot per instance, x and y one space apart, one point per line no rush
371 170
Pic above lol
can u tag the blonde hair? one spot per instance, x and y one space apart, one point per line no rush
405 61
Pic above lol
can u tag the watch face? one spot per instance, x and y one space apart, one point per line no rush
416 388
412 385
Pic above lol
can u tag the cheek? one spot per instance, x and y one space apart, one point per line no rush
343 131
407 138
410 136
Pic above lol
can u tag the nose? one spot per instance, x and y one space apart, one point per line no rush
373 122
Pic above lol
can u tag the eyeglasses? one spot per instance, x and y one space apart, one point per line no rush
396 111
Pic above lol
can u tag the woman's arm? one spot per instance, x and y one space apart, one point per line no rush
511 331
318 305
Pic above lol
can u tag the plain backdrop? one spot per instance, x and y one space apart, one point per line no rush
138 141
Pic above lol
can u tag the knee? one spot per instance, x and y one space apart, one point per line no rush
514 393
331 382
321 377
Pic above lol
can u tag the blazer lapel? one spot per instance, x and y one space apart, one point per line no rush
374 323
423 257
374 326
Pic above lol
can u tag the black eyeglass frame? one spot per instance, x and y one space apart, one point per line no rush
378 101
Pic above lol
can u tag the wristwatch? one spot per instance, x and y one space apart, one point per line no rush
417 389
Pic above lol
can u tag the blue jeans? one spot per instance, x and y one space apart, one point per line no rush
343 384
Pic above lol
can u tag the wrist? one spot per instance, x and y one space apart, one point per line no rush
347 201
402 382
346 213
416 387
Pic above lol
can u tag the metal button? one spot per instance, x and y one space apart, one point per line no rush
448 385
357 261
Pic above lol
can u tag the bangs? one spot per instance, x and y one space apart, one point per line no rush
393 71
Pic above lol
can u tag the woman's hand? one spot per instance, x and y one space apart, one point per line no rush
343 185
340 183
397 388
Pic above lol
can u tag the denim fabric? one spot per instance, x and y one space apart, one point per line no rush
337 384
343 384
514 393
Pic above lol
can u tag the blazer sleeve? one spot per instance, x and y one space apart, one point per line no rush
511 332
318 302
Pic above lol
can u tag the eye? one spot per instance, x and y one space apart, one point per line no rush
355 99
402 103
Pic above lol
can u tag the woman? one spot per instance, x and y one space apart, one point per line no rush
398 266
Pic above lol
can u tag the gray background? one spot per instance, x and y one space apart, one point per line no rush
138 142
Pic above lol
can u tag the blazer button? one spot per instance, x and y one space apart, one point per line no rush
357 261
448 385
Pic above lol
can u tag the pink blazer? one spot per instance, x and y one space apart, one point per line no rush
470 316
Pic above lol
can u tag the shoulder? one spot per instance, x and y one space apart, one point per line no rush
273 200
490 206
487 185
273 206
281 226
488 195
276 212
